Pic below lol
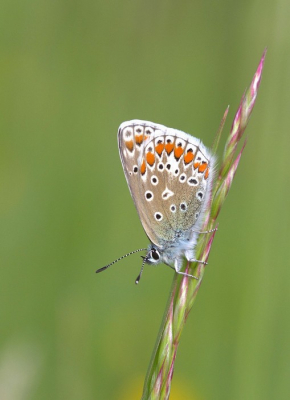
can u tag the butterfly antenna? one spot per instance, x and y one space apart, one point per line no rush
142 267
118 259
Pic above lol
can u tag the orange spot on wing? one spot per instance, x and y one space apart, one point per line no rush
143 168
129 145
159 148
150 158
196 165
206 173
188 157
169 148
202 167
139 139
178 151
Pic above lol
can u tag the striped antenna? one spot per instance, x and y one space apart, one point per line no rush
139 276
118 259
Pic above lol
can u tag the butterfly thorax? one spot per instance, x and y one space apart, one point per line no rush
172 253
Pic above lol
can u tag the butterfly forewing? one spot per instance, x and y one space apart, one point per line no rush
132 137
168 175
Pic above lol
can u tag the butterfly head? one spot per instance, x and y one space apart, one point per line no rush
153 256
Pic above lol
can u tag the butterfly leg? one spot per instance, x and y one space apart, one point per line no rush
185 274
182 273
189 255
198 261
209 231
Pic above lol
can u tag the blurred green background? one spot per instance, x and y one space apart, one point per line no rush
71 72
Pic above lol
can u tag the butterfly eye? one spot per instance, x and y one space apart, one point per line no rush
155 254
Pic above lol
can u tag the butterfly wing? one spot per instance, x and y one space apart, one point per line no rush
132 137
169 175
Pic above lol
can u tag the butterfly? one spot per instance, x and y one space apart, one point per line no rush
170 175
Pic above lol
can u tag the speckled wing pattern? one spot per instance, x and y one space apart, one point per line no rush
169 174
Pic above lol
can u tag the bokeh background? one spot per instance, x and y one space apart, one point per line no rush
70 73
